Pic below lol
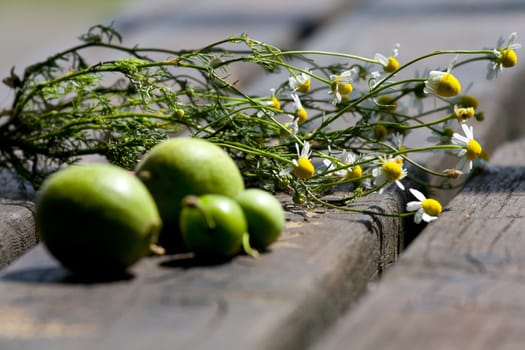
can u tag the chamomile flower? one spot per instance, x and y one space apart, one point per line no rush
289 127
300 113
341 85
389 169
471 149
390 64
398 141
443 84
303 167
505 56
344 166
300 82
427 209
274 102
463 113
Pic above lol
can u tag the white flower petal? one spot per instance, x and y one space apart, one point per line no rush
417 194
297 101
413 206
380 179
285 172
417 217
468 130
328 164
460 140
349 73
395 50
375 74
376 172
428 218
381 58
513 36
306 150
298 150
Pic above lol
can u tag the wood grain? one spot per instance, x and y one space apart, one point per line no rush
461 284
282 300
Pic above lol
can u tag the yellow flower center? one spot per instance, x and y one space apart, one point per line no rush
345 89
431 207
392 170
304 87
301 115
448 86
304 169
392 65
276 103
508 58
473 150
354 173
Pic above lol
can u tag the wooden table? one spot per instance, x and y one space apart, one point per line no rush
282 300
460 284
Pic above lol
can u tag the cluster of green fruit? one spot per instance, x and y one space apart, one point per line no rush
185 193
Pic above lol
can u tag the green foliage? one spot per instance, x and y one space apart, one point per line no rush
66 107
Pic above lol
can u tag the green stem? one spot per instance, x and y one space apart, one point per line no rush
354 210
247 248
194 202
248 150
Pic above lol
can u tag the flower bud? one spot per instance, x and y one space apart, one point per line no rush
443 84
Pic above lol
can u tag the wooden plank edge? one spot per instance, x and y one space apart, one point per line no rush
314 273
460 285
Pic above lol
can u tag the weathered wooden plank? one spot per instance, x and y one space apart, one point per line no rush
17 229
460 285
282 300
